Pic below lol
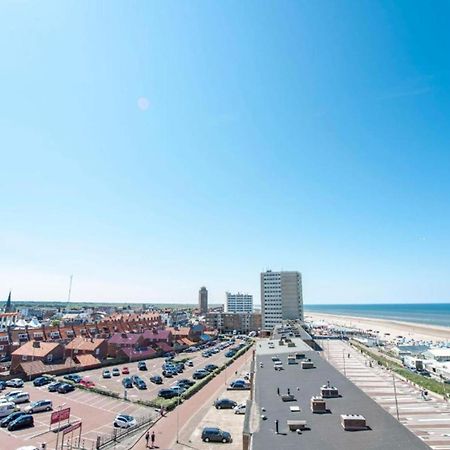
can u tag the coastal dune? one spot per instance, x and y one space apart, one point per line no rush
393 328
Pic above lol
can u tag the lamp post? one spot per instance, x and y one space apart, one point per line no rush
178 417
343 358
395 396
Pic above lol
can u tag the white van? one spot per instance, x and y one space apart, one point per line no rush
7 408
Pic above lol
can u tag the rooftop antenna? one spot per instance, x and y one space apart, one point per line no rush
70 290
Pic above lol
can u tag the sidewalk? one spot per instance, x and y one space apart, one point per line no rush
189 410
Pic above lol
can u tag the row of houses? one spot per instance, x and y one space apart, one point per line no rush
120 338
13 338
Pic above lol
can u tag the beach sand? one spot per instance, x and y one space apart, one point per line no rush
409 330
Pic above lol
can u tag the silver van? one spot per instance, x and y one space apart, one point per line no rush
40 405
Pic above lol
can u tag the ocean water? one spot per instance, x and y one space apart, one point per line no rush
425 313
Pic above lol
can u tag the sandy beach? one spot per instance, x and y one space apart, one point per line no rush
394 328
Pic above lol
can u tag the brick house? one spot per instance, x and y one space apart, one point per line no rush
46 352
85 346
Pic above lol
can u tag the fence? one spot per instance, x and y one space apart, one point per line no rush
120 433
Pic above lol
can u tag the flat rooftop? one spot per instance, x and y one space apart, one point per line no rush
325 430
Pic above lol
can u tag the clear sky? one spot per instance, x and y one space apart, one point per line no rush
149 148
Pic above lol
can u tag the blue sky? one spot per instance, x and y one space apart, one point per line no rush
150 148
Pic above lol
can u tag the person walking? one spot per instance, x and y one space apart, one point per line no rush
147 437
153 439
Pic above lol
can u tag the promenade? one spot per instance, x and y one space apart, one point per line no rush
428 419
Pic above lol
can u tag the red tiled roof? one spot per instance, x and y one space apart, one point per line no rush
28 349
165 347
80 343
157 335
87 360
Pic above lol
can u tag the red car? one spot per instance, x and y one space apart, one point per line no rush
125 371
87 383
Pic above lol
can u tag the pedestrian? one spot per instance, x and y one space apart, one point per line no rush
147 437
153 439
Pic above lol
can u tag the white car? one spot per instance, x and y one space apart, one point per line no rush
124 421
15 382
239 409
189 363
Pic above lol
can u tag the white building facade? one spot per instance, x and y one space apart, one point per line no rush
239 303
281 298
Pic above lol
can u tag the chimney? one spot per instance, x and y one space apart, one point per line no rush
36 344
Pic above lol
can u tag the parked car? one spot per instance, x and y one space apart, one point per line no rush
168 373
239 385
185 382
17 397
11 417
64 388
2 385
225 403
179 390
40 405
138 382
240 409
87 383
53 387
73 377
115 372
230 353
142 365
106 373
199 374
21 422
157 379
190 363
7 408
211 367
215 435
15 382
206 354
124 421
167 393
125 371
127 383
41 381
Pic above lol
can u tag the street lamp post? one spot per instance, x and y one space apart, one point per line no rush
395 396
178 417
343 358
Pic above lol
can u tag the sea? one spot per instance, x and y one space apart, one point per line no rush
424 313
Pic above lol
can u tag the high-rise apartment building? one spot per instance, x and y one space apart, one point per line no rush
281 297
203 300
239 303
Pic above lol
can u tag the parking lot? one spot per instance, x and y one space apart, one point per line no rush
154 367
225 419
96 411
